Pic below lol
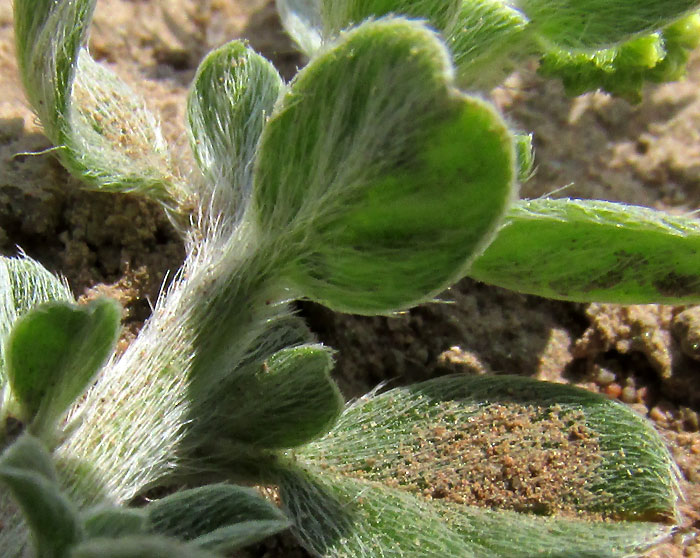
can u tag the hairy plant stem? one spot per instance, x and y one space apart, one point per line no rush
134 422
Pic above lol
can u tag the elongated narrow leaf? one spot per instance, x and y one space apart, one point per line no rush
138 546
24 284
348 518
595 24
216 517
107 137
48 37
232 95
467 466
52 354
624 69
388 180
595 251
26 469
283 402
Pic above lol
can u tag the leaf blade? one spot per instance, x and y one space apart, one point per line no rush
446 467
232 95
52 354
386 205
584 250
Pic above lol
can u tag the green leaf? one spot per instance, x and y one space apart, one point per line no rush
138 546
105 134
216 517
233 93
113 522
284 401
387 179
596 24
623 70
234 537
620 71
53 353
341 14
488 40
584 250
24 284
468 466
302 20
28 454
26 468
48 37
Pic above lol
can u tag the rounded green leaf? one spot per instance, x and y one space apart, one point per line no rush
52 354
585 250
24 284
387 180
233 93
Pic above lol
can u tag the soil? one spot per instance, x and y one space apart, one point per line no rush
592 147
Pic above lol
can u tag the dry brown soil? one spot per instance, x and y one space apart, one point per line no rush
592 146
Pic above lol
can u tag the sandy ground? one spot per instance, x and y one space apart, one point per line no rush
592 146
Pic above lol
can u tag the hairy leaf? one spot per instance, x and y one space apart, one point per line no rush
624 69
105 134
26 468
341 14
584 250
232 95
467 466
216 517
596 24
52 354
283 402
488 40
388 180
113 522
302 20
138 546
24 284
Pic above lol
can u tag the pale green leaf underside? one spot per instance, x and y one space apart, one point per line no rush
52 354
385 177
106 135
584 251
24 284
416 471
233 93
